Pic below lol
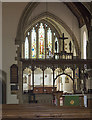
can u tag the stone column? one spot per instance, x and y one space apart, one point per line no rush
20 83
20 76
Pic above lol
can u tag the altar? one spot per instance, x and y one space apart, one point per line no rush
71 100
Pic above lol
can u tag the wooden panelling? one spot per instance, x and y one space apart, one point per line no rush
14 74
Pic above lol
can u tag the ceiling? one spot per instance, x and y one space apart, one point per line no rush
81 11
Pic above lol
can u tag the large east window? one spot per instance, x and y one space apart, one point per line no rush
40 42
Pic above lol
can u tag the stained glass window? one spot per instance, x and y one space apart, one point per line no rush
49 41
26 48
33 43
41 41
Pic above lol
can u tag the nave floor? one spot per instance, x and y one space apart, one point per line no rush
44 112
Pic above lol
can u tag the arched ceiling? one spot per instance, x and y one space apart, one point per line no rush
88 6
78 9
81 11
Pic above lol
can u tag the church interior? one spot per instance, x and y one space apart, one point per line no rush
46 60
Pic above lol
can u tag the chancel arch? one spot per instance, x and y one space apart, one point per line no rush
56 24
54 21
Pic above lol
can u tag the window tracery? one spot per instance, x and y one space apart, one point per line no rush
40 45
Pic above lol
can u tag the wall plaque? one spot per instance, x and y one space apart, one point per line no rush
14 74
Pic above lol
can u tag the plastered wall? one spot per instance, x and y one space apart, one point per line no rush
11 13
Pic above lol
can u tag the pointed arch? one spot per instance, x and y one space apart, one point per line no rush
63 74
55 21
51 18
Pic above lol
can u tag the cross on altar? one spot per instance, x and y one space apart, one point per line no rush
63 38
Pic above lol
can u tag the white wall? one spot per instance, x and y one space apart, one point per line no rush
11 13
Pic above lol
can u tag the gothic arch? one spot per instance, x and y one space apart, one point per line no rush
51 18
24 17
51 24
63 74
